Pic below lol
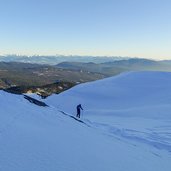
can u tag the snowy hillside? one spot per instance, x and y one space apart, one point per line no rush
146 94
127 127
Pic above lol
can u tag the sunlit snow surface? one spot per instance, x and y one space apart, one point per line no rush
128 127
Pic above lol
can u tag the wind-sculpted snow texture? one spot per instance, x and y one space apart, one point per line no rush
127 126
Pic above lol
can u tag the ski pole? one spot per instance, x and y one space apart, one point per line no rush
82 113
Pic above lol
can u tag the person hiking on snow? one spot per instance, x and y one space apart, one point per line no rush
79 108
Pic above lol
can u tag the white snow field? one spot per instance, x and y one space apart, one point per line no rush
127 127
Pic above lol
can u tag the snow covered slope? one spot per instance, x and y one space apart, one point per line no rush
146 94
117 135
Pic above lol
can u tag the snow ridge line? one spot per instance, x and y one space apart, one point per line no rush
71 116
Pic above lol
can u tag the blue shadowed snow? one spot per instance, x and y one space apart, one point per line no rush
128 127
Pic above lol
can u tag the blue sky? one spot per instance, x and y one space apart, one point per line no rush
140 28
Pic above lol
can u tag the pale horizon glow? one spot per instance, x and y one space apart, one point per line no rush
85 54
130 28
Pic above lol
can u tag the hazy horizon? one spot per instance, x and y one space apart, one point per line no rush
78 55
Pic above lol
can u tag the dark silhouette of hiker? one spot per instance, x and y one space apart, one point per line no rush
79 108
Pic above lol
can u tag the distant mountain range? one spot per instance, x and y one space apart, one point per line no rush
116 67
30 76
103 64
53 60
